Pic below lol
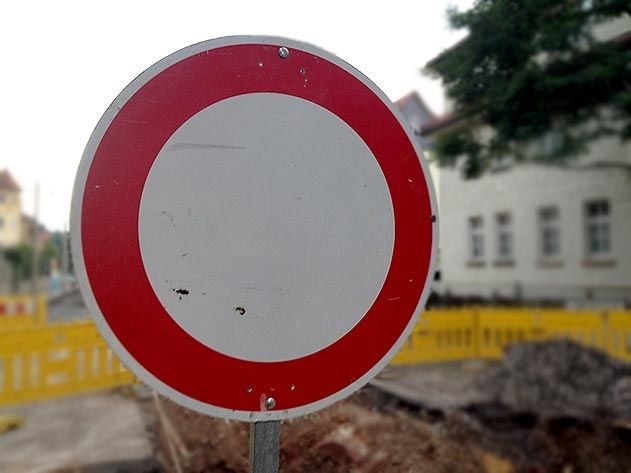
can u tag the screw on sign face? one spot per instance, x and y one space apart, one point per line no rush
254 228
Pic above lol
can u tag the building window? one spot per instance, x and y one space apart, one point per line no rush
598 227
549 233
504 236
476 239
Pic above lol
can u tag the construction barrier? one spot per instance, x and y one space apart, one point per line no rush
458 334
41 362
22 311
10 422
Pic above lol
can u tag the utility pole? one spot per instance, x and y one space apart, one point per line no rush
35 243
64 259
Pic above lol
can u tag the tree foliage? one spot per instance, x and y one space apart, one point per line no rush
529 68
21 257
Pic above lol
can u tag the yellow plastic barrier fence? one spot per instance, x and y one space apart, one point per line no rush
41 362
446 337
458 334
10 422
22 311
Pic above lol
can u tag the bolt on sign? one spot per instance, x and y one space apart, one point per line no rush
253 228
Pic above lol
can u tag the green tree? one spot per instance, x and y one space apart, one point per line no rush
20 258
531 67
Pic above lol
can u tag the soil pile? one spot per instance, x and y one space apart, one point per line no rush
347 437
552 406
559 377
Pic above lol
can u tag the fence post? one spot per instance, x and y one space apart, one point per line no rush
605 333
41 310
476 333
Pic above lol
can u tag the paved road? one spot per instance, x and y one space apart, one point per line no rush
77 434
441 386
67 307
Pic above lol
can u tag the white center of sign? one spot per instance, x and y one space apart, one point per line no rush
266 227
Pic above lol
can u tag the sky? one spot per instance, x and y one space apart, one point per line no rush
64 62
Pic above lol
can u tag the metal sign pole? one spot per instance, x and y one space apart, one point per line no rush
264 446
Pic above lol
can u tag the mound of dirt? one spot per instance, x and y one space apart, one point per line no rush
348 436
559 377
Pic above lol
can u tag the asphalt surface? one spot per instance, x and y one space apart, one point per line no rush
75 434
442 386
67 307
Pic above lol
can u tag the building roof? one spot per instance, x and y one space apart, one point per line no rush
438 123
28 223
624 38
413 96
7 182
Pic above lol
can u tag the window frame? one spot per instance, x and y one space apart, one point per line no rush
603 220
500 229
475 232
550 224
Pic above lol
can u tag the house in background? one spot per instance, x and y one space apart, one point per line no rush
536 233
15 226
27 229
10 210
417 114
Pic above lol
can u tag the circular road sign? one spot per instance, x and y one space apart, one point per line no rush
253 228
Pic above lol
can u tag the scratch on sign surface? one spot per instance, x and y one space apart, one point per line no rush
169 216
202 146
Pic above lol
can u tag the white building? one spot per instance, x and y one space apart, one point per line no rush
418 114
10 210
538 233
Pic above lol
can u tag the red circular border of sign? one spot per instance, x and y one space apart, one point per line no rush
111 249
